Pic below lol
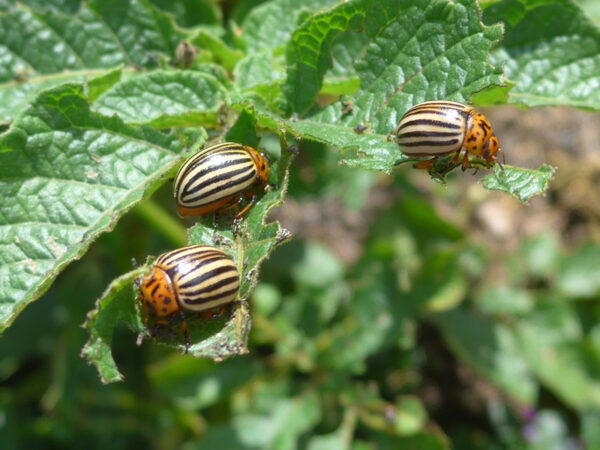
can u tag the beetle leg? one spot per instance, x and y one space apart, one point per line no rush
184 331
456 158
426 164
213 313
465 162
232 203
503 161
246 208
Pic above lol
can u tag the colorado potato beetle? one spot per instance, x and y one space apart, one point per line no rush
192 279
440 128
219 177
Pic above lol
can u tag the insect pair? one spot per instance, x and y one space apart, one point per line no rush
200 278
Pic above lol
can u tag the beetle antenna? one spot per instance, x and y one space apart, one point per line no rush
501 164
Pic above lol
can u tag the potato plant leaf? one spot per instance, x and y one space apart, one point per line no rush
416 51
44 48
557 63
113 307
520 183
309 53
165 99
249 247
68 174
216 338
270 25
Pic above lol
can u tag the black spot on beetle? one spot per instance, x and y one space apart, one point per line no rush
167 300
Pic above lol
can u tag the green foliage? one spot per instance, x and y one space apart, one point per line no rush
545 43
68 175
101 101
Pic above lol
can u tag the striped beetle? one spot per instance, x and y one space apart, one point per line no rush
440 128
218 177
191 279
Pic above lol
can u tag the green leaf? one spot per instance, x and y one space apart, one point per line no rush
591 7
332 441
410 416
165 99
422 50
309 52
579 274
346 48
249 247
375 320
549 430
550 340
433 439
505 300
551 51
491 349
66 175
43 49
215 50
541 255
406 62
519 183
375 152
114 306
100 84
66 6
258 69
191 13
318 267
270 25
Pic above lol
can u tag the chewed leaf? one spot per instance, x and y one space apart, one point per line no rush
376 152
248 242
114 306
249 247
520 183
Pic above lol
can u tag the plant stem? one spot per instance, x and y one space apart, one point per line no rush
162 221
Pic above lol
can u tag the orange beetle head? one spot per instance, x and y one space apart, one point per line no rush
480 139
157 294
491 150
479 132
262 167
